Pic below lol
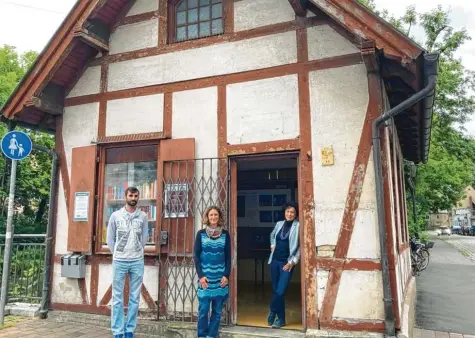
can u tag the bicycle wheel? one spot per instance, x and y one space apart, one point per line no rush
424 255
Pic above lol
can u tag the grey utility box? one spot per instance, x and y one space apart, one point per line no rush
73 266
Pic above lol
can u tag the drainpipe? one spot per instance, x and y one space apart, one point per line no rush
49 230
430 73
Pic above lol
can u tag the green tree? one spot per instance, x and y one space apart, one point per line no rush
33 173
450 168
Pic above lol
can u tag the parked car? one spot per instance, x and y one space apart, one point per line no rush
456 229
444 231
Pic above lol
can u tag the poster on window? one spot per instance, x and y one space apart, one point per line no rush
176 200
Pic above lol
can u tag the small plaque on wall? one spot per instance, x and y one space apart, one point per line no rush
81 207
327 156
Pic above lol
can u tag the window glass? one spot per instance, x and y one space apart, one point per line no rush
126 167
197 19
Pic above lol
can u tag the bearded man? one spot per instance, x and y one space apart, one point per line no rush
127 234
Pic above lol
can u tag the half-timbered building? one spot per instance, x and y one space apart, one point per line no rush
242 104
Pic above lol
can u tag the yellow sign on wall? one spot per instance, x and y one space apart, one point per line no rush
327 157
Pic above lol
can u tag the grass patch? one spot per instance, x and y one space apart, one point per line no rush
11 321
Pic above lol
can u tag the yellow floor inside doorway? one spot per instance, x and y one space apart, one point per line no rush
253 305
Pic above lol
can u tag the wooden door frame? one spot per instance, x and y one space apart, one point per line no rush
233 161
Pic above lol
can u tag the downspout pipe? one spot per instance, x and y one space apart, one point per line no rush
43 313
430 69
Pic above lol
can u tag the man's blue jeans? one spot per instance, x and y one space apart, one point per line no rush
280 283
208 328
120 269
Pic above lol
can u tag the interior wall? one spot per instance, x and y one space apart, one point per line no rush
262 209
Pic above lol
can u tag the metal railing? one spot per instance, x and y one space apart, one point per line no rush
26 268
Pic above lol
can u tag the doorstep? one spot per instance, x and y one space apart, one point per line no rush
188 330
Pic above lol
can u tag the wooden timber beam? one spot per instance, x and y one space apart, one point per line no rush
92 40
299 6
45 105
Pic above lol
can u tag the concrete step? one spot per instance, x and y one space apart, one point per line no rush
150 328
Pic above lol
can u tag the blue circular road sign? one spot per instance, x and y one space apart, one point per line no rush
16 145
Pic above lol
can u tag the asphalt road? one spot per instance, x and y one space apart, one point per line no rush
446 289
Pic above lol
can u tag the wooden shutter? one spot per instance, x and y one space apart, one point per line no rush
180 230
83 180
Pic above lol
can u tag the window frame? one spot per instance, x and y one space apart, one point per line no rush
172 25
99 210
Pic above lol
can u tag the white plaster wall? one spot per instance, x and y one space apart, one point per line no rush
249 14
143 6
64 290
322 279
88 83
105 280
150 281
365 289
226 58
88 283
325 42
136 115
62 221
195 114
339 100
263 110
135 36
80 125
365 238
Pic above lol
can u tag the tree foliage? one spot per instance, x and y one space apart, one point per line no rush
450 168
33 173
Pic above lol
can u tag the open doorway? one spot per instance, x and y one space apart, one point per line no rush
264 184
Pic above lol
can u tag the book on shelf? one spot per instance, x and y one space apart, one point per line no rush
146 190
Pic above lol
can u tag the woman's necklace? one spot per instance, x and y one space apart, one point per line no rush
282 235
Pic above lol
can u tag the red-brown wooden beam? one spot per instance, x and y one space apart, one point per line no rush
299 6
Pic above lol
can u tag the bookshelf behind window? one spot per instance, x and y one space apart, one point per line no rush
118 177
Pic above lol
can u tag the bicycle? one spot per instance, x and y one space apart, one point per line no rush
420 255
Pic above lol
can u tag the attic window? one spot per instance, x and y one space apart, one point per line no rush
194 19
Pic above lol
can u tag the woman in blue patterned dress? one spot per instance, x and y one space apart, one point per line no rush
213 266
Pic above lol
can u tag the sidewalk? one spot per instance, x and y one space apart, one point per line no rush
53 329
420 333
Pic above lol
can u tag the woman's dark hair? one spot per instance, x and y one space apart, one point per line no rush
291 205
220 213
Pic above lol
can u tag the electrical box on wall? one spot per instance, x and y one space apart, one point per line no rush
73 266
327 157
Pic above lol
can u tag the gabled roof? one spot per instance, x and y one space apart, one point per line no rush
39 97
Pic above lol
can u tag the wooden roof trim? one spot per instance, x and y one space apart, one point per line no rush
50 55
368 26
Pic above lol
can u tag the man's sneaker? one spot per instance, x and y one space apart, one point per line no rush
271 318
278 324
129 335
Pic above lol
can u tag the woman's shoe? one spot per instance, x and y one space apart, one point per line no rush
271 318
278 324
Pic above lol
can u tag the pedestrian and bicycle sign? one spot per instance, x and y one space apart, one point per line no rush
16 145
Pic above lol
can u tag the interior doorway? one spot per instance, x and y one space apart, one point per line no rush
264 184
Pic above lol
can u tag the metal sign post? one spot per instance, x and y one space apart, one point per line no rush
16 145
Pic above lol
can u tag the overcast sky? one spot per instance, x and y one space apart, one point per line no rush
29 24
